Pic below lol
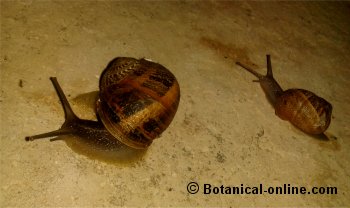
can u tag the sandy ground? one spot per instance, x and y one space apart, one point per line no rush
224 133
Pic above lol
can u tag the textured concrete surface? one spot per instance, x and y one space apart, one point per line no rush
224 133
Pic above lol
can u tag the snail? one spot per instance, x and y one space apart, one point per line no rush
137 101
304 109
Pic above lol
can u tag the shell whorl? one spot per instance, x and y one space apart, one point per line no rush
305 110
138 100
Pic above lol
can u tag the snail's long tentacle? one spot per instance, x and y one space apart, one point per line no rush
258 75
49 134
68 112
269 66
70 116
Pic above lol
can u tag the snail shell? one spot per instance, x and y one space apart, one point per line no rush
304 109
307 111
137 101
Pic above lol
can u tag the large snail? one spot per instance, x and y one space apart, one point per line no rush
305 110
137 101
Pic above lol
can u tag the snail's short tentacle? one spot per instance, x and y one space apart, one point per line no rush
68 112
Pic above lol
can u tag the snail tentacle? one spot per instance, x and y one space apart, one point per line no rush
49 134
258 75
70 116
68 112
269 66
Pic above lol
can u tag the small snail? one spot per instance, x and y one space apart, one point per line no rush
305 110
137 101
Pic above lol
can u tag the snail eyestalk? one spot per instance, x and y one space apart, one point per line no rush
269 85
70 116
269 66
48 134
68 112
259 76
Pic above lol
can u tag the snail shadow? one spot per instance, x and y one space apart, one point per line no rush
324 137
327 140
85 105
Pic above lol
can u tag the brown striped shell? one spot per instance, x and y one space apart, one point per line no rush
138 100
305 110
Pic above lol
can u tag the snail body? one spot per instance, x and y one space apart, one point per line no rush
137 101
304 109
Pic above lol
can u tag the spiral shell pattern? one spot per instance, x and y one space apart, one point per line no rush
305 110
138 100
